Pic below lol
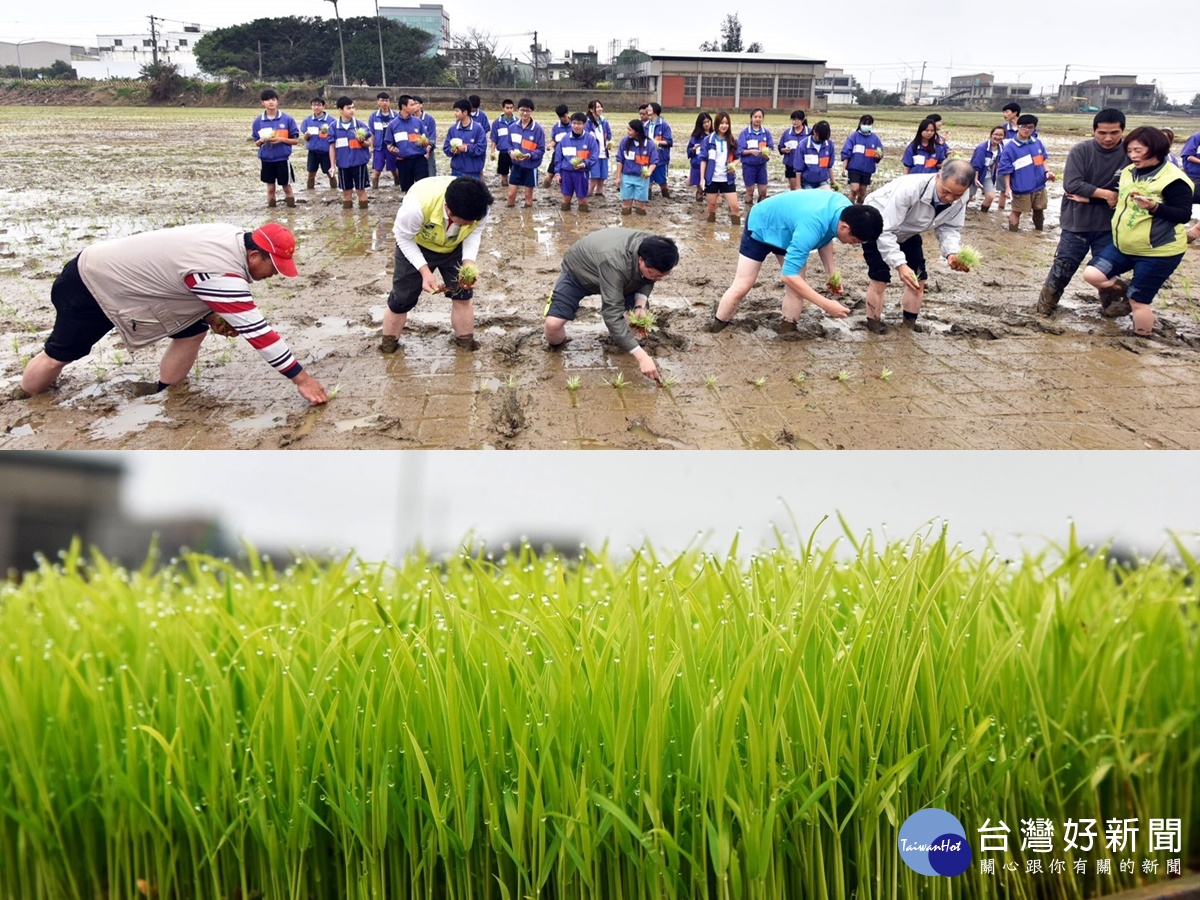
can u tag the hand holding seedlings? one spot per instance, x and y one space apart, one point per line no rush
834 282
965 259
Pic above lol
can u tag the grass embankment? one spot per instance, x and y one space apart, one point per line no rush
698 726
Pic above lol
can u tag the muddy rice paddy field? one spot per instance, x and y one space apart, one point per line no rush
981 370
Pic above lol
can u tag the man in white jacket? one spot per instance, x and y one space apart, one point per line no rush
911 205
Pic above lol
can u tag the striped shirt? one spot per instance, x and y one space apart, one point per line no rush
229 297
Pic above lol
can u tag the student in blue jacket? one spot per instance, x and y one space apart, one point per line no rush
925 154
816 159
789 145
702 130
860 155
1023 168
528 147
985 161
754 147
574 155
466 142
718 152
598 126
659 132
315 131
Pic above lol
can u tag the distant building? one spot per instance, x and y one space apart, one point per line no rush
837 88
702 80
1120 91
137 50
430 17
981 89
42 54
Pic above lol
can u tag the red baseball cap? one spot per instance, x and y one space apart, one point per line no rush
280 244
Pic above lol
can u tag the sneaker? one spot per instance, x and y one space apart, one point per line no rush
876 326
389 344
1048 301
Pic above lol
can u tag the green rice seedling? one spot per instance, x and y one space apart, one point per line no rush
799 378
710 381
573 383
643 319
711 726
834 281
468 274
335 390
670 381
619 382
511 381
759 381
885 374
968 257
843 376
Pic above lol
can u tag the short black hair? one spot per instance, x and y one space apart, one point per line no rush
1156 143
468 198
934 117
383 95
657 112
659 253
464 104
417 99
578 117
1011 107
561 110
865 222
344 101
867 119
507 101
403 99
799 114
268 94
1027 119
642 106
821 131
320 100
474 100
1108 115
526 103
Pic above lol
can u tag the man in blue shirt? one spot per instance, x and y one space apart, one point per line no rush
792 225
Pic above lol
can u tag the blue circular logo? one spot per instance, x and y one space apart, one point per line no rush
933 842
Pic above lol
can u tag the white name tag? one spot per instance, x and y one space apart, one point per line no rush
1022 161
501 132
313 129
811 159
568 151
859 148
631 154
751 144
379 126
918 159
791 145
264 133
342 142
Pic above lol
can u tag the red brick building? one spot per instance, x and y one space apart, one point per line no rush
729 80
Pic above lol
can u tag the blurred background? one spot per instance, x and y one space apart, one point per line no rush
383 504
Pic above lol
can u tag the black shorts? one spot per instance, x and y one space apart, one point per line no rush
79 321
406 281
720 187
754 249
317 160
412 169
503 162
858 177
914 255
569 293
355 178
277 172
789 173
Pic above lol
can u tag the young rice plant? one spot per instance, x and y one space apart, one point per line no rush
695 727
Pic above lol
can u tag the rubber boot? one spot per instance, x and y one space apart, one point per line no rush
1039 219
1048 301
312 181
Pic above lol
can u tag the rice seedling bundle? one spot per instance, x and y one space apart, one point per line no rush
698 726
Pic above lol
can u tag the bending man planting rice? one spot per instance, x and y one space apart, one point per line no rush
437 230
621 265
177 283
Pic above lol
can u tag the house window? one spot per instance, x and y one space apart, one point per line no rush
147 42
757 85
117 42
689 87
183 43
791 88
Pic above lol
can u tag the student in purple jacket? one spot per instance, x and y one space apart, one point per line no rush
789 145
984 161
574 155
598 126
528 148
860 155
274 133
466 143
816 159
635 158
702 130
378 122
350 153
754 146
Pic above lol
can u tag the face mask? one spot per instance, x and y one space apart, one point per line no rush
865 129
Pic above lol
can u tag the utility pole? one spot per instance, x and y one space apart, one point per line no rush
341 45
920 83
1062 90
379 28
153 41
536 53
260 60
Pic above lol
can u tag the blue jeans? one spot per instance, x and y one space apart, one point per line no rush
1073 246
1149 272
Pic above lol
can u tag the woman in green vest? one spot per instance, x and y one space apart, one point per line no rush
1149 229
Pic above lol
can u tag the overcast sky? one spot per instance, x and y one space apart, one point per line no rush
377 502
880 41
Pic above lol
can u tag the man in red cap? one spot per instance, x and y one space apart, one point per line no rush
177 283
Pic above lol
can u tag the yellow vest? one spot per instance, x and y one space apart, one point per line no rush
1135 231
431 195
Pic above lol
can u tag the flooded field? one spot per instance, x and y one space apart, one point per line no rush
981 370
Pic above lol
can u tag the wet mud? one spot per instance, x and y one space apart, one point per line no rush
980 370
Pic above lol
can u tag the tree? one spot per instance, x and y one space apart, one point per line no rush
585 74
877 97
475 51
731 38
1196 100
1161 100
403 51
165 80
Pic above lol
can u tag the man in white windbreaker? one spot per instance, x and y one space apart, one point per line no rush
911 205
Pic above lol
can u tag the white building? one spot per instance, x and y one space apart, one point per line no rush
176 47
42 54
837 87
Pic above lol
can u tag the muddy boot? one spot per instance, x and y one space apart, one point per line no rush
465 342
389 344
549 181
271 201
333 181
666 192
312 181
375 180
1012 227
715 325
1039 219
566 205
735 221
1113 302
559 347
290 201
362 204
583 206
639 210
876 326
627 212
347 204
1048 301
787 326
712 217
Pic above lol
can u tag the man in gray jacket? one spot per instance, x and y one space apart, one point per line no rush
621 265
911 205
1090 185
